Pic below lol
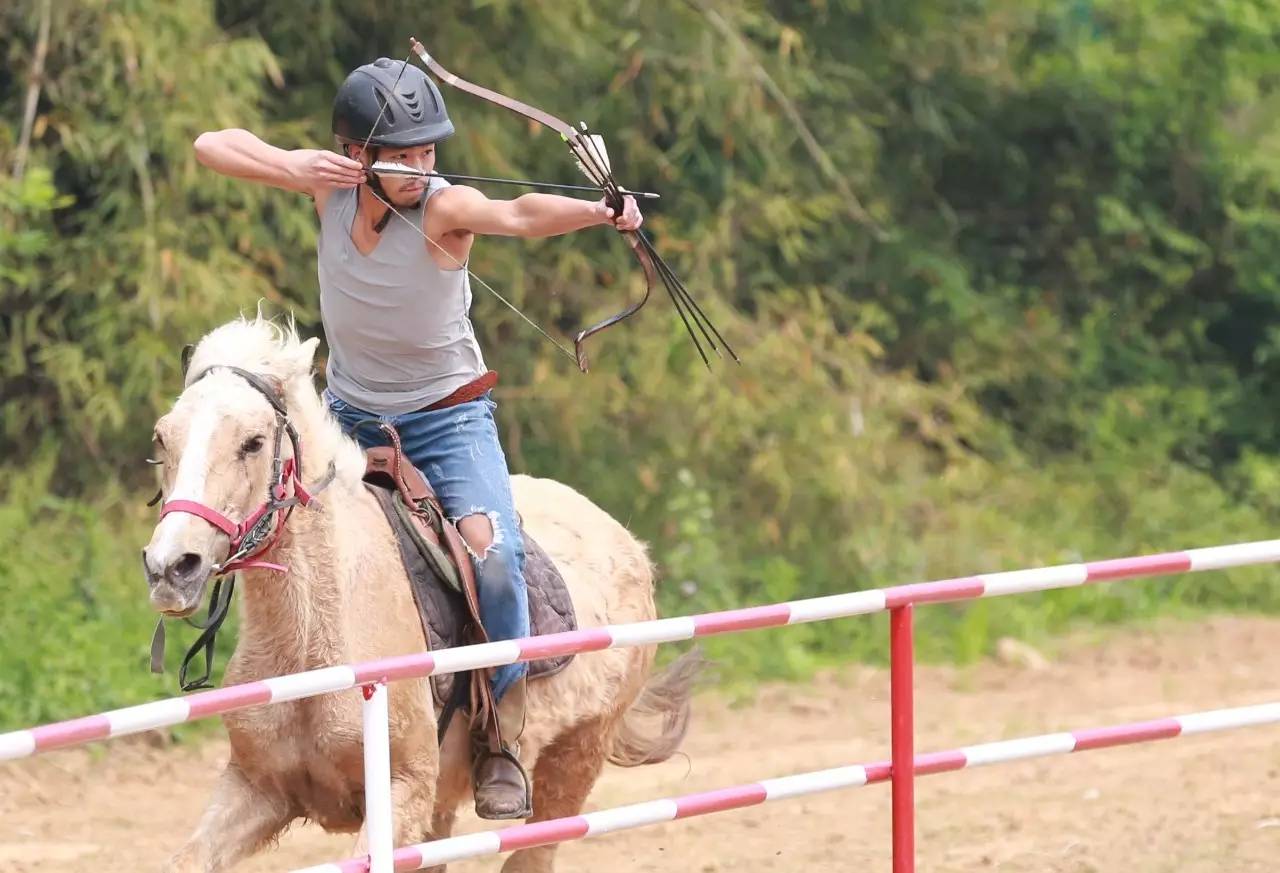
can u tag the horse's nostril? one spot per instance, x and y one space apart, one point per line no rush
186 566
151 573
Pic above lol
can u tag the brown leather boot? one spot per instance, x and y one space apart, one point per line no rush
502 787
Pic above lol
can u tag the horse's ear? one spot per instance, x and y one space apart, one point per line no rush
304 358
309 351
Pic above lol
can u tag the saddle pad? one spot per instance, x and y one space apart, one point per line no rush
443 611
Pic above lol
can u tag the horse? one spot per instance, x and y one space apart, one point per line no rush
344 598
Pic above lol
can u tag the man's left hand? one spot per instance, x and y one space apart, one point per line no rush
630 219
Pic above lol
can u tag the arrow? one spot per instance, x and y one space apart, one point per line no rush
390 168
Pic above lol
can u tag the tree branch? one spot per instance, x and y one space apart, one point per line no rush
33 88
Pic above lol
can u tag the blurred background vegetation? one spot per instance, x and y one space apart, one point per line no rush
1003 276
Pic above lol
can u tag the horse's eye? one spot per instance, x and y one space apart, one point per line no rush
252 445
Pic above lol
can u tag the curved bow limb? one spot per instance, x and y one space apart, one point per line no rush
646 264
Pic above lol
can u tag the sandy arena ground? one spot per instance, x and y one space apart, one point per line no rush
1194 805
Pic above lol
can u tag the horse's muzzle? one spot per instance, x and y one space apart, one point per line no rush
176 584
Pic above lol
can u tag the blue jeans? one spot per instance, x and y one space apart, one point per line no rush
457 449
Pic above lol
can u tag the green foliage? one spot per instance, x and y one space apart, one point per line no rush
77 626
1002 276
133 250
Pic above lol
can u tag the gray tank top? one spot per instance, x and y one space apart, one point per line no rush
398 326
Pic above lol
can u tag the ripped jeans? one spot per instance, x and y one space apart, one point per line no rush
457 449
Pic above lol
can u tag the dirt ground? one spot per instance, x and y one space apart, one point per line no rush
1194 805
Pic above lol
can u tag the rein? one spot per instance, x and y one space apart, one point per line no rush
250 539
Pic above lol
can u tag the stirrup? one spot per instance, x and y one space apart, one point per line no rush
499 783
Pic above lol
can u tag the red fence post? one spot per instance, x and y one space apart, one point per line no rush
902 737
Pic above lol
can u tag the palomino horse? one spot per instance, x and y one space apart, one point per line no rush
345 598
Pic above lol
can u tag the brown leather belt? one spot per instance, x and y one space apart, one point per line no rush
470 391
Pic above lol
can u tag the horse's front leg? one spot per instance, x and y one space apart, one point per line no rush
412 799
239 819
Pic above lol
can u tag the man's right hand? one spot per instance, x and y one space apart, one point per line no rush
317 169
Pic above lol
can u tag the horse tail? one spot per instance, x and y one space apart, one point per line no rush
666 700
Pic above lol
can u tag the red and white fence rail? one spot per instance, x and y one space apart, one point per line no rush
175 710
898 601
653 812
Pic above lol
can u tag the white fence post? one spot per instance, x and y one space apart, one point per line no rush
377 779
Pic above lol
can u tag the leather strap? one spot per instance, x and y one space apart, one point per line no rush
428 507
473 390
208 513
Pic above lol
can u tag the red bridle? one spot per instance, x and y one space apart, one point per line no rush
241 555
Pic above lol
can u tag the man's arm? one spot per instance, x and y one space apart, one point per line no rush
461 209
242 155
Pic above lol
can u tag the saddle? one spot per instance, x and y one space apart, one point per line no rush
442 578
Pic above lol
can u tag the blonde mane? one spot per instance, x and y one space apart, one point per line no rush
276 351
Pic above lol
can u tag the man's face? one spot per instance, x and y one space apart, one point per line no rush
402 190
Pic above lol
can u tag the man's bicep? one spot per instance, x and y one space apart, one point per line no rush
462 209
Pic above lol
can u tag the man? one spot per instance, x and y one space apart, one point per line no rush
395 301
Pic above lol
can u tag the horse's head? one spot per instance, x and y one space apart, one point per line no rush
216 449
227 453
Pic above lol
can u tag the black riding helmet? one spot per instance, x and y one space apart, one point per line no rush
414 111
